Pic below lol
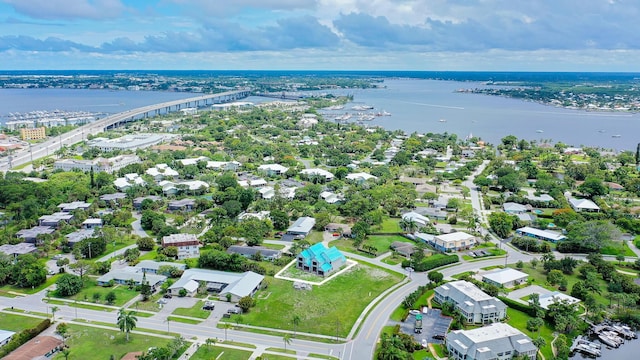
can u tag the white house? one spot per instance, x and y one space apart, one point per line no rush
454 241
583 205
129 180
540 234
318 172
273 169
556 296
496 342
161 172
419 219
474 304
505 277
237 285
514 208
5 337
361 177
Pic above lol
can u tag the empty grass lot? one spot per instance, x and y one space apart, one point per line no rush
195 311
17 323
123 294
220 353
380 242
95 343
342 299
389 226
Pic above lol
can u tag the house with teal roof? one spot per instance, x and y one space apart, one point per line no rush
321 261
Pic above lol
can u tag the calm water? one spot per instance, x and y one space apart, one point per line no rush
629 350
416 105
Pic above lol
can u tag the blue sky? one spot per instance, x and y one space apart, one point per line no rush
507 35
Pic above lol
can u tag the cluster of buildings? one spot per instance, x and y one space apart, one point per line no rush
108 165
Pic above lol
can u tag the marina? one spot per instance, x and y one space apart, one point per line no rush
611 336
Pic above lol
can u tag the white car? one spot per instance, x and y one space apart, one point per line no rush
414 312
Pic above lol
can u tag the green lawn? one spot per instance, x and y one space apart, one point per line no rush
195 311
518 320
50 281
272 246
95 343
17 323
277 357
356 288
149 305
440 350
123 294
314 237
380 242
213 352
539 277
53 301
393 259
421 354
389 226
617 249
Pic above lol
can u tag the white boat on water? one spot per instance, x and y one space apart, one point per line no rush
362 107
616 136
539 131
442 120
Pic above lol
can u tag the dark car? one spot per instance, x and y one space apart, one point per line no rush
168 296
438 337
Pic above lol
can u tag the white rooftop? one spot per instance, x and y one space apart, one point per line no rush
504 276
491 332
468 289
456 236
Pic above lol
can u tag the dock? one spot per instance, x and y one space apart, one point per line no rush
586 347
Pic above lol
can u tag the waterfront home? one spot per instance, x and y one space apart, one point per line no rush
554 297
497 342
474 304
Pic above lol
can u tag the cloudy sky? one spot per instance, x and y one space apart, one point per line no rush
521 35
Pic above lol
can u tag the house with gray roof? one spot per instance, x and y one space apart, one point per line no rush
583 205
514 208
474 304
5 337
79 235
251 251
17 249
55 219
123 276
494 342
31 235
302 227
151 267
237 285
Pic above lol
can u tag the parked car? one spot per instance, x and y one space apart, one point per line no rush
208 305
167 295
438 337
234 310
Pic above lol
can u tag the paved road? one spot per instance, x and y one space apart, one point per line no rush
76 135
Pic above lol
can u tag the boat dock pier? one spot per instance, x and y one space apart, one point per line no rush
586 347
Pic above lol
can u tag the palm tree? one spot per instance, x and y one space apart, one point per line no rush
287 340
54 309
296 321
66 353
210 342
126 321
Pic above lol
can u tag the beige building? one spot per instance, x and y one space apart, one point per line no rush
454 241
33 134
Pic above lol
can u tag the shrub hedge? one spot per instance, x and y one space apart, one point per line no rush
24 336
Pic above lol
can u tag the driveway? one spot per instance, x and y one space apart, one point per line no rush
517 295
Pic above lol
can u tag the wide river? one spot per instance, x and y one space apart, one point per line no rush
415 105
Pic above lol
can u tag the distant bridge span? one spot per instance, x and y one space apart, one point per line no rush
118 119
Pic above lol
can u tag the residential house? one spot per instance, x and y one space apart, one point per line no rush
267 192
454 241
330 197
161 172
172 188
546 235
254 183
113 200
505 278
181 205
5 337
79 235
319 260
17 249
514 208
583 205
55 220
187 244
193 161
137 202
151 267
496 342
431 212
251 251
233 286
309 173
554 297
130 275
260 215
224 165
302 227
420 220
76 205
273 169
92 223
403 248
474 304
361 177
31 235
545 198
129 180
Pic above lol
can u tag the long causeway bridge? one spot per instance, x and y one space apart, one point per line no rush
120 119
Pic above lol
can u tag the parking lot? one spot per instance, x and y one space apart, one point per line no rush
433 323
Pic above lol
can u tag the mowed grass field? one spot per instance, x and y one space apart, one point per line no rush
220 353
94 343
17 323
338 302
